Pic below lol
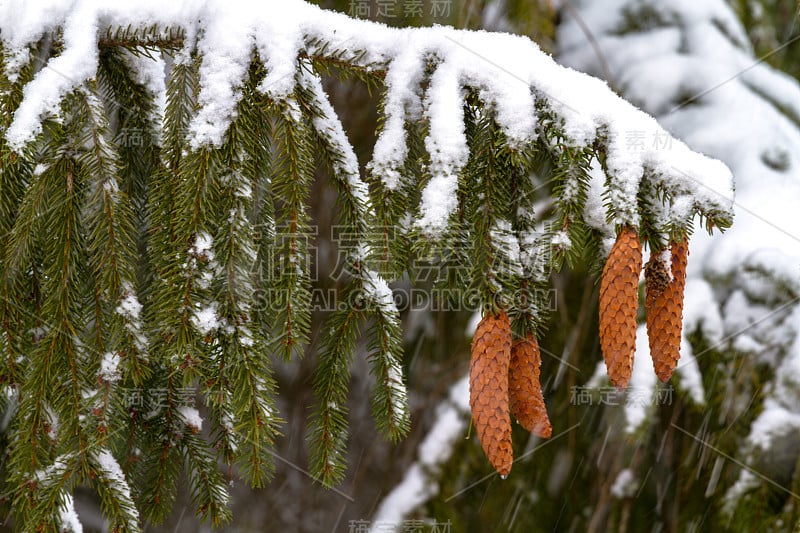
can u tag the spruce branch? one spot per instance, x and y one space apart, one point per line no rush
209 491
114 491
291 186
328 421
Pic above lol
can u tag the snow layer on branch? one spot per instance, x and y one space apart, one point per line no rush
191 417
225 61
330 128
378 292
508 73
403 77
447 145
109 367
205 319
114 479
68 517
55 470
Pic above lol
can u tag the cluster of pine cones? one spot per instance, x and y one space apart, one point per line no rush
504 375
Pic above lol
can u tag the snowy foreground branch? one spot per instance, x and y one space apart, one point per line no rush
509 72
107 353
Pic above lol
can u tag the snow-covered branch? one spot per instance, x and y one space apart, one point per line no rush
510 73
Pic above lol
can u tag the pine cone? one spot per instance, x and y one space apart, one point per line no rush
488 388
664 307
524 390
619 300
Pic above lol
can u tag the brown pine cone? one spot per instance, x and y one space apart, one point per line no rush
664 307
619 300
488 389
524 390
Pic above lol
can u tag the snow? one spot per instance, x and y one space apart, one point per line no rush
224 65
414 490
129 306
378 292
245 336
780 415
109 469
227 423
203 247
403 76
56 470
690 379
625 484
594 210
509 73
419 483
472 325
533 260
330 128
68 517
109 367
447 145
639 403
774 421
438 202
561 239
130 310
697 313
747 482
205 319
397 388
150 73
508 246
43 95
191 417
599 377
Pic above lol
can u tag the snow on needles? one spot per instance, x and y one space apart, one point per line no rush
114 479
68 517
509 73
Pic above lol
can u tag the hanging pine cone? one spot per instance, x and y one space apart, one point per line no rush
619 299
524 390
664 287
488 389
